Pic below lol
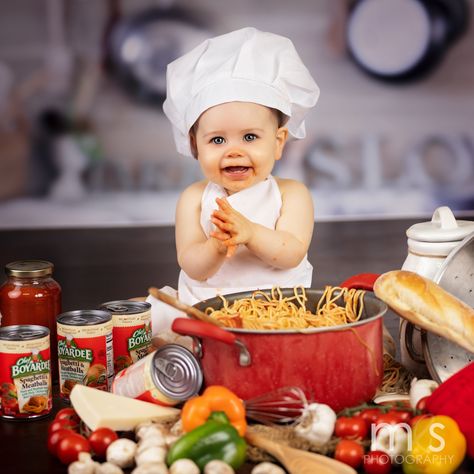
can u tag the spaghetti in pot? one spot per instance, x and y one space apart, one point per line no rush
337 306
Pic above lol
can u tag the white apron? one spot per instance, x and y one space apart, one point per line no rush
261 204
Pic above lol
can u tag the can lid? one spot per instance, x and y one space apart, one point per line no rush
23 332
84 317
126 307
176 372
29 268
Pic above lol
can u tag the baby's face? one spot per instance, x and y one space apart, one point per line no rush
237 144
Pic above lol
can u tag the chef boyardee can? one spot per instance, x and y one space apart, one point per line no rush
168 376
131 331
85 352
25 372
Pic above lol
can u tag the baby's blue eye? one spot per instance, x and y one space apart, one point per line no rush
217 140
250 137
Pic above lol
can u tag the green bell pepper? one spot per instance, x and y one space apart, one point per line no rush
215 439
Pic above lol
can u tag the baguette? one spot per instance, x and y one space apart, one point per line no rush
427 305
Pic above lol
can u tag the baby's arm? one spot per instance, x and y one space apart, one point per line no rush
283 247
198 256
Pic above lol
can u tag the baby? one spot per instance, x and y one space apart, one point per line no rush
232 102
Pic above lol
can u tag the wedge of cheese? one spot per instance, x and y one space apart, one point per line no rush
103 409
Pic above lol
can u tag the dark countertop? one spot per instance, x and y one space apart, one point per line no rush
98 265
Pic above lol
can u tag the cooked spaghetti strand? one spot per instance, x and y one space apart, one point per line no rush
271 310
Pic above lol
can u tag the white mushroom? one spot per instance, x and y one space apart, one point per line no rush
148 428
121 452
108 468
184 466
218 467
151 468
154 440
177 428
170 439
150 454
84 465
267 468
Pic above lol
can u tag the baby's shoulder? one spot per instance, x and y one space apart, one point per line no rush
194 191
291 186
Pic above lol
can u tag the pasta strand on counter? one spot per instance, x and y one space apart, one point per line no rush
274 311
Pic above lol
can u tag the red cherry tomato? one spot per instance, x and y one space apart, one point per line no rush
100 440
55 437
68 414
370 415
388 418
351 427
349 452
69 447
421 404
404 416
377 462
65 423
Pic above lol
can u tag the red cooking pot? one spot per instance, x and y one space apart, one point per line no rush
340 366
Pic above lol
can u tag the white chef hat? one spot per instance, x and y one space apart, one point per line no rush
246 65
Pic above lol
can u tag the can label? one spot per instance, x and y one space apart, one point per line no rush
136 382
132 338
25 378
85 356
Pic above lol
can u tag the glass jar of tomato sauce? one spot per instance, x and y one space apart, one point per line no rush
30 295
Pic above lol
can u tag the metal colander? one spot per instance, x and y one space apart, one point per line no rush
456 275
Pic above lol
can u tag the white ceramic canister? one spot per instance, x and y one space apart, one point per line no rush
429 243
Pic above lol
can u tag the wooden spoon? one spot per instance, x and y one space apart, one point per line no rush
297 461
189 310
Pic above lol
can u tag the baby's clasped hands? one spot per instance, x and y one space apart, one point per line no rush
234 228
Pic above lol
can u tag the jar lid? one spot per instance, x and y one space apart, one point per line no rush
29 268
443 227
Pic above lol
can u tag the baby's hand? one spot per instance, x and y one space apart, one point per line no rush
222 238
231 222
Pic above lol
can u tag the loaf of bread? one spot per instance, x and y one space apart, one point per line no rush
427 305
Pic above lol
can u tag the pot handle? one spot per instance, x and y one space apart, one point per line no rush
362 281
191 327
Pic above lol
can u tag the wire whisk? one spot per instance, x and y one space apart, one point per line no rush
283 405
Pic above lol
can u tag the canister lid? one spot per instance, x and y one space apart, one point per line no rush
29 268
176 372
84 317
123 307
443 227
23 332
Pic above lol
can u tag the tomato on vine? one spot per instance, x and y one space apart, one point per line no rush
100 439
351 427
68 414
69 447
349 452
377 462
63 423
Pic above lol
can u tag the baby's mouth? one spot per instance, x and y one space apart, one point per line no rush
236 169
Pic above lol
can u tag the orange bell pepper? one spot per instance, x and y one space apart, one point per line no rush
197 410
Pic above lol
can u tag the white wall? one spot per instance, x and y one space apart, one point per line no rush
354 111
